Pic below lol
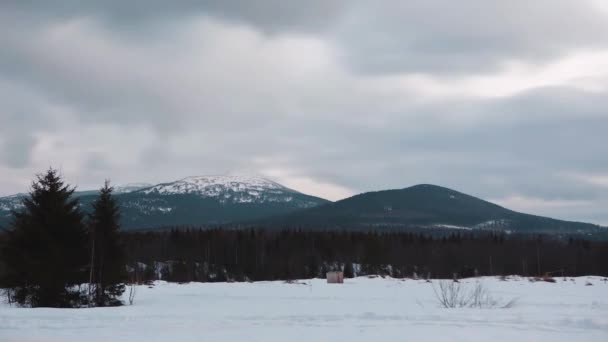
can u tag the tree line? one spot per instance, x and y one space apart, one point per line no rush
223 254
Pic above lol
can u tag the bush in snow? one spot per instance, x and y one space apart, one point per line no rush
453 294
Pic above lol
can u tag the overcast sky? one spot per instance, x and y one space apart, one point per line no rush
505 100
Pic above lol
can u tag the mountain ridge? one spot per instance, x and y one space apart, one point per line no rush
222 187
195 200
424 206
257 201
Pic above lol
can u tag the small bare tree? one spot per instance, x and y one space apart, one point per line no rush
134 280
9 295
452 294
132 290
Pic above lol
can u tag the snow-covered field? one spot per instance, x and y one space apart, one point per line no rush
362 309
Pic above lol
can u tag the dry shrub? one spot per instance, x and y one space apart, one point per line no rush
132 292
451 294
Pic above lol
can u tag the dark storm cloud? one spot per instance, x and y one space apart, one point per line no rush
360 95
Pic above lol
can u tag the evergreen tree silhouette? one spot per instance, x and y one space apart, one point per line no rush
108 270
46 249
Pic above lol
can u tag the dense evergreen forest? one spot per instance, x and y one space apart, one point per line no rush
184 255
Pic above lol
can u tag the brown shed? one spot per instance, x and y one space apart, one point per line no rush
335 277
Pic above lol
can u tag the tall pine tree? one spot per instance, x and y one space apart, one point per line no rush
108 271
46 253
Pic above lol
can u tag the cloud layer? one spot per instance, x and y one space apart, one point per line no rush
506 101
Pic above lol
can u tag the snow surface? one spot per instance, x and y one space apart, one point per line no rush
12 202
130 187
209 185
450 226
362 309
228 188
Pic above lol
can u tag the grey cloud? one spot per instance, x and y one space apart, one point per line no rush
22 114
462 36
434 36
272 16
96 162
495 155
15 150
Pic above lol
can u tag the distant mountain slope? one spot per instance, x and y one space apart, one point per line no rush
201 200
424 206
209 200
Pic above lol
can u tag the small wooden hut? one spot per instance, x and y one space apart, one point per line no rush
335 277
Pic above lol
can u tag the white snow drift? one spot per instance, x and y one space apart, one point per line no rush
362 309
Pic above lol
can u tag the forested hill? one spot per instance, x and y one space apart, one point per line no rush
255 201
424 206
191 201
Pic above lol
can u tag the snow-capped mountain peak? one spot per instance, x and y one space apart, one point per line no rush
192 201
227 188
130 187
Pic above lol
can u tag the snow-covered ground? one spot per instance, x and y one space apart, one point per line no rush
362 309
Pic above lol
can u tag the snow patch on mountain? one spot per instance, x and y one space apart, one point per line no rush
215 185
450 226
493 224
230 188
9 203
130 187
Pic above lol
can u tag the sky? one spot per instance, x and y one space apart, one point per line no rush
504 100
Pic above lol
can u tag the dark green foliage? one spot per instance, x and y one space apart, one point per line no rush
179 272
191 209
348 270
140 273
324 270
148 274
108 273
313 267
422 206
46 252
285 255
398 210
140 210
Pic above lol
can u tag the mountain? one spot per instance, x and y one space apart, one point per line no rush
216 200
228 189
201 200
130 187
424 206
120 189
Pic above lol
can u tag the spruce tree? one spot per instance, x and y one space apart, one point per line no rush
46 248
108 261
348 270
